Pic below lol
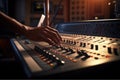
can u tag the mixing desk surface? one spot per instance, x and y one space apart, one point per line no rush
78 56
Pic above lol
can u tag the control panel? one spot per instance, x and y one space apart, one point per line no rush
75 53
89 48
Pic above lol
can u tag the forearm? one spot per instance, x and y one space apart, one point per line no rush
11 24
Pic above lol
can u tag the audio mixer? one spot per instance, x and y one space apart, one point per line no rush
78 54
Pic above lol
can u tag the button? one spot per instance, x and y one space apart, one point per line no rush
85 58
109 50
115 50
96 58
92 46
80 53
96 47
59 62
80 44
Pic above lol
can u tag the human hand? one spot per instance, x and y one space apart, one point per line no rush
46 34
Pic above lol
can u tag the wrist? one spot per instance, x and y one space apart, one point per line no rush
22 30
25 30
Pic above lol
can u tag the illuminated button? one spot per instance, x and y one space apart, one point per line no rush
45 59
59 62
52 64
107 56
42 57
49 61
66 57
70 58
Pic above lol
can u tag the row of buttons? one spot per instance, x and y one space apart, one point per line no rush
47 55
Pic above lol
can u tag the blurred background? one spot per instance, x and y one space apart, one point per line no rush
29 11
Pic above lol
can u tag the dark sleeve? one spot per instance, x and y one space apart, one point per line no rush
6 33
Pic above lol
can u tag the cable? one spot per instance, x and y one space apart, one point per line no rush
56 12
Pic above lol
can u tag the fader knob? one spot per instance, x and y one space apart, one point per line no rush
86 56
84 53
71 50
59 62
80 53
52 57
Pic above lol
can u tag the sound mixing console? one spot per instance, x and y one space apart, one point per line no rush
76 52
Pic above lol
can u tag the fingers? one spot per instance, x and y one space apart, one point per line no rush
55 32
45 34
46 39
52 35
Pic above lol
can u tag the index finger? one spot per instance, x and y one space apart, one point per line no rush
57 33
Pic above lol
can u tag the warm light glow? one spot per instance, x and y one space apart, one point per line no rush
109 3
114 1
96 17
